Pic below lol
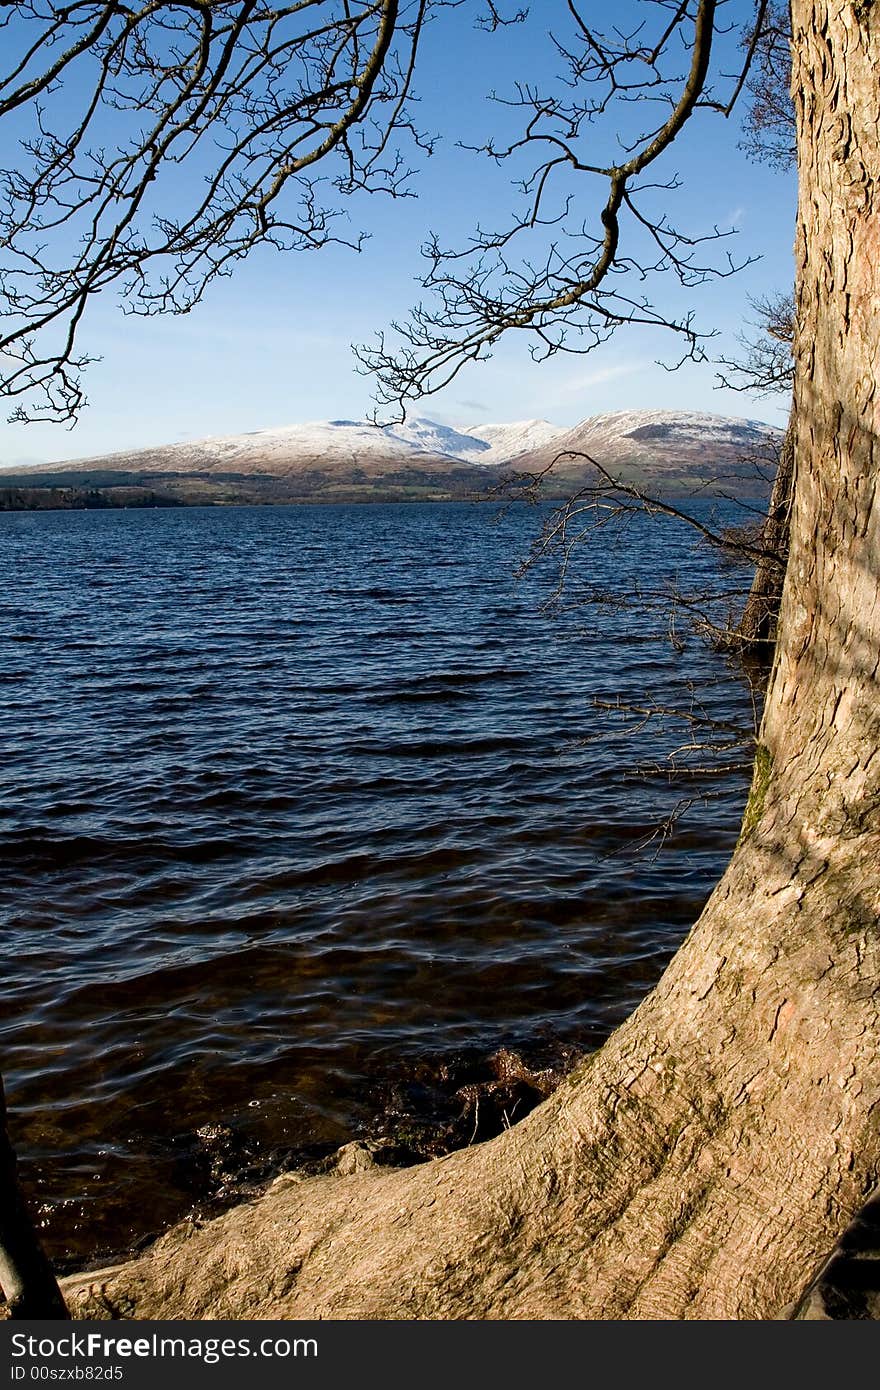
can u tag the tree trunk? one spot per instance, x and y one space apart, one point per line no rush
26 1277
755 634
704 1160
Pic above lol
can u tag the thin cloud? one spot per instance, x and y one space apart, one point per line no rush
585 381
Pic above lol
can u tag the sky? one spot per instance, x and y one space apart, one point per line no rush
271 346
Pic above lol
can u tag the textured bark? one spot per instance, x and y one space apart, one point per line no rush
701 1164
755 635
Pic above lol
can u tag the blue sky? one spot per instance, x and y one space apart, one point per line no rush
271 346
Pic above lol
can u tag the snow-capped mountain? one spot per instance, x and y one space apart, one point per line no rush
504 443
488 444
431 438
273 451
336 442
672 451
667 427
666 447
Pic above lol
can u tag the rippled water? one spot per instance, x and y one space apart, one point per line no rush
303 808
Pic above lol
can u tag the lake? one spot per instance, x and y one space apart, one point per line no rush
305 813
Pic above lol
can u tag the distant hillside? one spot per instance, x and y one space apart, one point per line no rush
350 461
664 451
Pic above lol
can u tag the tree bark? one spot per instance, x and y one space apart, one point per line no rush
26 1277
755 634
703 1161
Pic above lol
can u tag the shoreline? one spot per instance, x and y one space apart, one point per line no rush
164 1283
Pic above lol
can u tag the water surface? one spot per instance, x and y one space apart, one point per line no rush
303 808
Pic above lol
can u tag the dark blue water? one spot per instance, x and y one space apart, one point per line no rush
302 809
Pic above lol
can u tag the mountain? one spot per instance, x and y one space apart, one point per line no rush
505 443
670 451
334 443
326 460
429 437
340 443
485 444
420 459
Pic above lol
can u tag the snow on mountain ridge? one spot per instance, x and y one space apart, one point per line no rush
488 444
665 449
336 440
338 443
685 423
620 433
430 437
506 442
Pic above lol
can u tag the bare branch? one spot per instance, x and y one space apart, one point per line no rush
770 121
767 365
161 143
568 293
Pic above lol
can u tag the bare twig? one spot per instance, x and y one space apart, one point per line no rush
566 290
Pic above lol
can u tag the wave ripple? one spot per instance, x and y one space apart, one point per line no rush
296 802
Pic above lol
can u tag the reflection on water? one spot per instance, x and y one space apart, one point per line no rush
302 809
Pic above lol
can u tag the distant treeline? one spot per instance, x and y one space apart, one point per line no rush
78 499
98 489
101 489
